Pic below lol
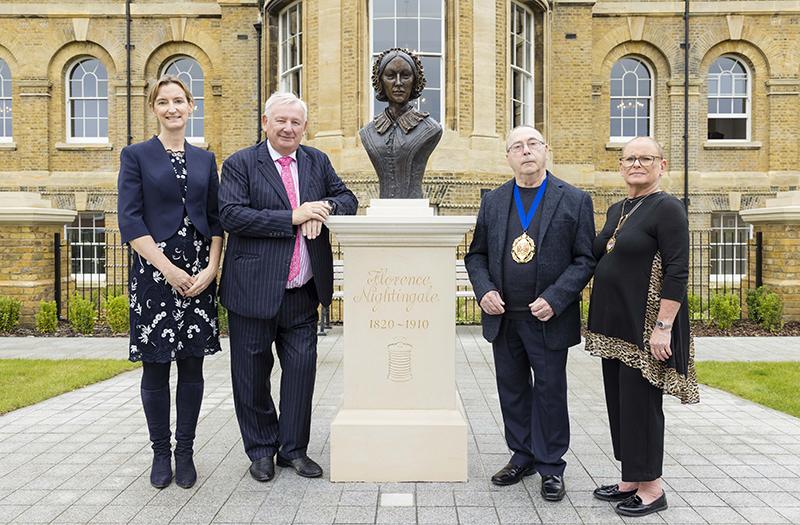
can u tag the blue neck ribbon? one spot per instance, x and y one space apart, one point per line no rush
526 218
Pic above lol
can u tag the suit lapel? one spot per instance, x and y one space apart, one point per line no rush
500 218
553 194
303 174
267 168
165 173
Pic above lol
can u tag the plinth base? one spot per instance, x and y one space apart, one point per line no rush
399 445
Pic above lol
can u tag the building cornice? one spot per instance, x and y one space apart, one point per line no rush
768 7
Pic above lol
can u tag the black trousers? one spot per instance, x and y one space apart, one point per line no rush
294 333
534 408
636 418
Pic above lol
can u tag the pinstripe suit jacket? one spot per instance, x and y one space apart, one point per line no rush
256 213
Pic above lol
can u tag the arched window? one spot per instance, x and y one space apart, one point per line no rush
6 130
419 26
189 71
290 53
631 100
521 45
87 102
728 99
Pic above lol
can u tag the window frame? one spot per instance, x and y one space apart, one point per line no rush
441 55
622 139
5 139
747 115
528 117
716 257
191 139
69 98
284 76
81 277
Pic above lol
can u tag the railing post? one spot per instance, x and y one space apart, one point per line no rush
57 272
759 253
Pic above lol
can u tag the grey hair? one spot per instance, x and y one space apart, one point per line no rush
284 99
653 141
517 128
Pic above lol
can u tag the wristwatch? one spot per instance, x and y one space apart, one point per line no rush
332 204
662 325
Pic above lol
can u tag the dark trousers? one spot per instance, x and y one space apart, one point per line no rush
294 333
534 409
636 418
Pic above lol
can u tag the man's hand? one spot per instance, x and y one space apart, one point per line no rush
317 210
492 303
311 229
659 344
541 309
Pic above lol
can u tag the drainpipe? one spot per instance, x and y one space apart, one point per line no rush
128 65
258 28
686 105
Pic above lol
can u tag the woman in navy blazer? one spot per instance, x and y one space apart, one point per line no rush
168 212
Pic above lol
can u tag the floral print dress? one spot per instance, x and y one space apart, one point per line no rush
165 325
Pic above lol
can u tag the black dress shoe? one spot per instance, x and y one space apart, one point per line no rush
612 493
304 466
553 488
262 469
511 474
634 506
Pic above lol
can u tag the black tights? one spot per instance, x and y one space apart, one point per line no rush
156 375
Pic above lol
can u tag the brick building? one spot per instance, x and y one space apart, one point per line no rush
590 74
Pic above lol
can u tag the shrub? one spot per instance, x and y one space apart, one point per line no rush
754 298
724 310
82 315
585 312
118 314
222 319
47 317
696 310
770 311
9 313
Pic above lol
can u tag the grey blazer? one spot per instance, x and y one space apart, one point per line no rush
564 251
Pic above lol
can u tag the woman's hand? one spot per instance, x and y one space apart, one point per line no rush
659 343
201 281
179 280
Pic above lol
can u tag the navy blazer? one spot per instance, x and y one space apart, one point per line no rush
256 213
149 199
563 248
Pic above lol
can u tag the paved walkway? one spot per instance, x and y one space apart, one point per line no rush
83 457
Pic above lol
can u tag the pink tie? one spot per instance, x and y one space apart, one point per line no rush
288 183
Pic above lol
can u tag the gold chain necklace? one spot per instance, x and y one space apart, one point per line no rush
612 242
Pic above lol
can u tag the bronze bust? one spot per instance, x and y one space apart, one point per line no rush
400 139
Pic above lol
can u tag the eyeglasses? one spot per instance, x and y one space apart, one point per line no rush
645 161
517 147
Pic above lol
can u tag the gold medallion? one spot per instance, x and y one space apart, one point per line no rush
523 249
611 243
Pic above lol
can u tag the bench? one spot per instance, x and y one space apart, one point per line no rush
463 289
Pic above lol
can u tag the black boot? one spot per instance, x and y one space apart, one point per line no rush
188 401
156 411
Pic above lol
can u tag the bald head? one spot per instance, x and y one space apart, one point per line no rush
527 129
644 140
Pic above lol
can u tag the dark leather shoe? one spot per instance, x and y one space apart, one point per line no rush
553 488
511 474
262 469
612 493
304 466
634 507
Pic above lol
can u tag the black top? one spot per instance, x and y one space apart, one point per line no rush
519 280
649 261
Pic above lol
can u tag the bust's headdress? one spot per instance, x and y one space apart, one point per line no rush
387 56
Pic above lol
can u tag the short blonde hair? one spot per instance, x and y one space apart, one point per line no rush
284 99
163 81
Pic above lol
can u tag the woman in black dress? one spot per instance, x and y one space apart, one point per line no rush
167 209
639 324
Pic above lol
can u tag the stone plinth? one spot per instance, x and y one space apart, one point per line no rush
401 418
779 223
27 225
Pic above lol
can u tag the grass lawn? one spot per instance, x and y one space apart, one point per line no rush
24 382
773 384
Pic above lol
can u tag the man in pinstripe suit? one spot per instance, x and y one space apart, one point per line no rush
274 198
